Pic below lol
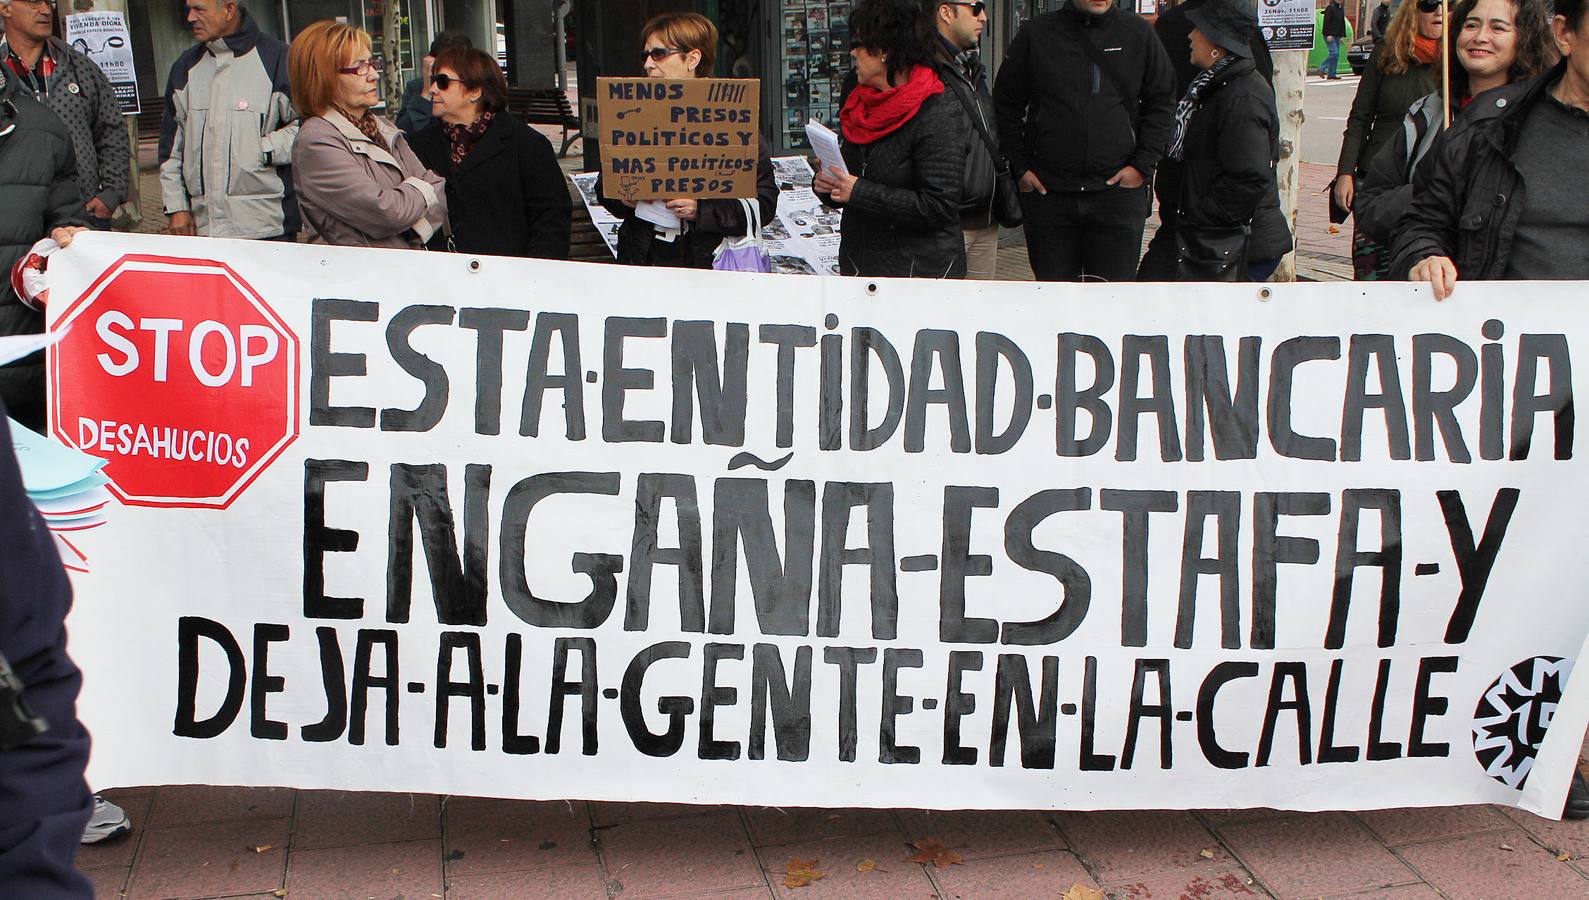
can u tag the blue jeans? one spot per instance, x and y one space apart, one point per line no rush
1332 57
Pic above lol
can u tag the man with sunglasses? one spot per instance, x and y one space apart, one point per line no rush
72 85
226 137
960 25
1085 102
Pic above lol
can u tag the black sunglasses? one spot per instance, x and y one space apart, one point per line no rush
445 81
977 8
1428 6
658 54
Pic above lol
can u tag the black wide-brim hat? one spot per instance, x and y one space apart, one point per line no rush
1230 25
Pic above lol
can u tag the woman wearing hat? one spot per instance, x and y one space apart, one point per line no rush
1227 139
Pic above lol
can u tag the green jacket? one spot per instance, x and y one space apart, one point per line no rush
1382 102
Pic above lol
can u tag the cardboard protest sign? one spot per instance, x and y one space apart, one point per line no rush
663 138
834 541
103 38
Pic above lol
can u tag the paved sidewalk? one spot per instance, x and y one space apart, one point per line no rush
210 842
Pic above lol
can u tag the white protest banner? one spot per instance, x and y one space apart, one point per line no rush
103 38
424 522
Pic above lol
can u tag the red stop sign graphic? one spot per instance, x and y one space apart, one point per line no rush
179 374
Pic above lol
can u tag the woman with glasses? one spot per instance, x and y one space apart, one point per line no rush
359 184
506 195
1496 42
684 45
904 143
1402 68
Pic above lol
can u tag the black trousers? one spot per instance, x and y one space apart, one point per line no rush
44 801
1085 235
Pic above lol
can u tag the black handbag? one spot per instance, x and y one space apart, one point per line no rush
1211 253
1006 197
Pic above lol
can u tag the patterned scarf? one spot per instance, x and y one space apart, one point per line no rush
462 138
1189 103
366 125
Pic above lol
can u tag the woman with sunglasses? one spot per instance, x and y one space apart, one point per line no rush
506 195
359 184
904 143
1496 42
1402 68
684 45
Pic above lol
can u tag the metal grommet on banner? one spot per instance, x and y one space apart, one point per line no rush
474 265
1265 294
871 287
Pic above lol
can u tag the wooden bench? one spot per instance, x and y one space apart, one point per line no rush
546 107
149 118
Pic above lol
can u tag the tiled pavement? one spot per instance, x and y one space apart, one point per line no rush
203 842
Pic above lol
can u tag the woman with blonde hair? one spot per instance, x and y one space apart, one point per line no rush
685 231
358 183
1403 68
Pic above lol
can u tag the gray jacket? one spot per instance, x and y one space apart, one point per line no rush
82 96
354 193
226 138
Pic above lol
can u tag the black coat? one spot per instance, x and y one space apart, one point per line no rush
1467 194
982 169
903 216
38 193
1063 118
508 197
714 220
1334 21
1232 143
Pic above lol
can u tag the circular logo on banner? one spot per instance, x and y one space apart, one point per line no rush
1513 715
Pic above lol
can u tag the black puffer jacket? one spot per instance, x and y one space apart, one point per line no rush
1232 143
903 216
1468 194
714 220
1062 117
38 192
507 198
970 90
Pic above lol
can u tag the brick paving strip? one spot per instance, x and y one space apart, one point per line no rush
192 841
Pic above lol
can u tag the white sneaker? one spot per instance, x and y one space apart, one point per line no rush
108 821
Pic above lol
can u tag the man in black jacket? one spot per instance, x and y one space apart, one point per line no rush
960 27
39 197
1085 103
1334 33
1504 194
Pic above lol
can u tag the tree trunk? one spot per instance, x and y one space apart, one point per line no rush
1290 77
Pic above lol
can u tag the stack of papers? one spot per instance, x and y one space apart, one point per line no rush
66 486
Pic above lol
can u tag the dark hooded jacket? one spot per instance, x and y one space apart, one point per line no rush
38 192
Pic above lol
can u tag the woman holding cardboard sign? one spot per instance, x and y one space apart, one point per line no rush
905 148
684 45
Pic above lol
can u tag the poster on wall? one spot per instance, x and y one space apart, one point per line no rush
103 38
633 533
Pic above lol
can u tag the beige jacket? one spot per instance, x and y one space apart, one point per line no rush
353 193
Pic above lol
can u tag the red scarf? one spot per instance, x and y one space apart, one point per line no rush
870 114
1425 49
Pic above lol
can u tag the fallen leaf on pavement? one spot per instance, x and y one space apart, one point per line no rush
933 850
1564 856
1335 229
866 865
1206 853
800 872
1081 892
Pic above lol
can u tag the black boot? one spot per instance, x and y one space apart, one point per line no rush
1577 798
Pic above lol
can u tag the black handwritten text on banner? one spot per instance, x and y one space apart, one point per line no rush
564 530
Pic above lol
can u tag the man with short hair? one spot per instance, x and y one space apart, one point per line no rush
226 137
1505 192
1381 21
960 25
1334 32
1085 102
73 86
